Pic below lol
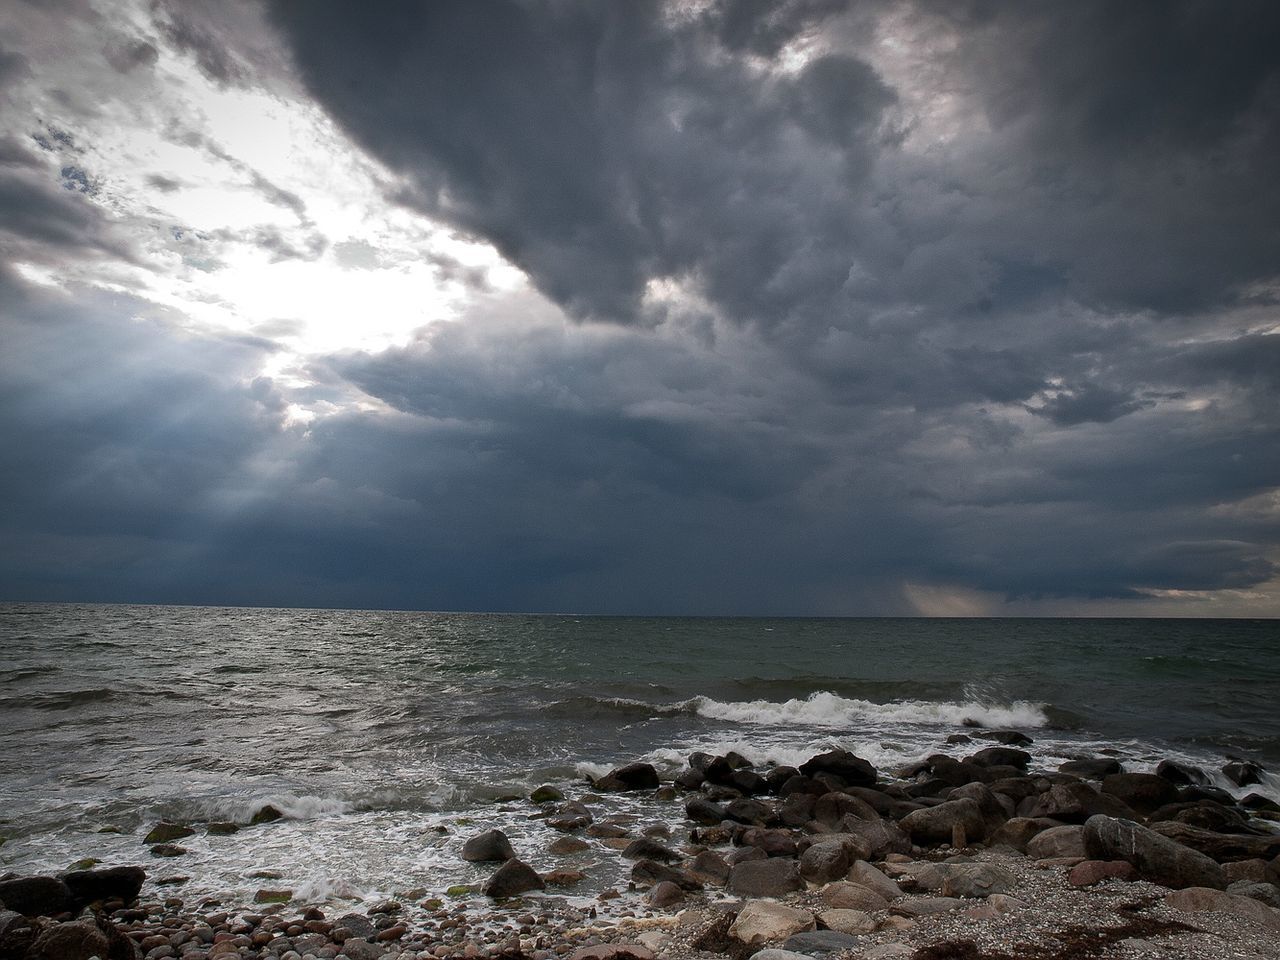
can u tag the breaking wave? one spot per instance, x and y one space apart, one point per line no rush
828 710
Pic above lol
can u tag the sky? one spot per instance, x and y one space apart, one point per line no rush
793 307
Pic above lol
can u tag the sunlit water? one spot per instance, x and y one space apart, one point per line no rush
387 738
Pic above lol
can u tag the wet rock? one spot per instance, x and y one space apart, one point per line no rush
648 873
753 812
780 775
1092 768
976 880
847 895
1198 899
1156 858
666 894
760 921
643 848
702 810
1057 843
1220 846
613 951
608 831
78 940
272 896
168 850
796 810
633 776
563 846
1144 792
122 883
36 896
774 843
1242 772
267 813
831 808
221 828
855 771
546 794
1181 773
1088 872
820 942
357 948
937 824
710 867
1076 803
492 846
563 878
357 925
877 838
847 921
1010 738
749 782
771 877
1020 831
824 862
743 854
1001 757
166 831
512 879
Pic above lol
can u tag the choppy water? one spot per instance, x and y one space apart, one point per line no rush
376 731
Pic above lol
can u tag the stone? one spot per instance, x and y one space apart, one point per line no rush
774 843
492 846
272 896
771 877
1091 768
608 831
878 838
613 951
1181 773
648 873
847 921
824 862
701 810
563 846
864 874
633 776
1198 899
832 807
855 771
1057 842
1143 792
976 880
168 850
563 878
1220 846
774 953
1242 772
546 794
1076 803
888 951
358 925
643 848
846 895
1252 870
926 906
36 896
78 940
813 942
1018 832
1156 858
1010 738
1205 814
761 921
710 867
935 824
267 813
221 828
1088 872
743 854
751 812
1001 757
1264 892
512 879
666 894
87 886
357 948
166 831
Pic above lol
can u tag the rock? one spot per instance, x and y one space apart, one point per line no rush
1144 792
926 906
1181 773
936 824
855 771
1020 831
168 850
78 940
831 807
273 896
1001 757
512 879
1076 803
122 883
976 880
643 848
847 921
761 921
607 831
774 953
701 810
846 895
633 776
1091 768
1156 858
709 867
824 862
492 846
648 873
267 813
743 854
221 828
774 843
1220 846
878 838
1206 814
36 896
358 925
752 812
166 831
1010 738
1242 772
771 877
546 794
613 951
888 951
1198 899
562 846
563 878
749 782
357 948
1057 843
1264 892
864 874
666 894
1088 872
1252 870
813 942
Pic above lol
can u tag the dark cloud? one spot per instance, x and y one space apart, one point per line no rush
127 55
193 35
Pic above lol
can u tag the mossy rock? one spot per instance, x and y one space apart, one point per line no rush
273 896
462 890
85 863
435 903
165 831
267 814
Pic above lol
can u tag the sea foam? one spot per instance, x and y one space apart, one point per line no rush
827 710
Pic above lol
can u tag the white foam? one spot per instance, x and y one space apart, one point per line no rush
827 710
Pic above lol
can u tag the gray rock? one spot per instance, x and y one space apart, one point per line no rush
78 940
824 862
1001 757
666 894
512 879
1057 842
878 837
710 867
926 906
935 824
855 771
1156 858
846 895
866 875
1020 831
1144 792
751 812
1220 846
1091 768
1076 803
771 877
643 848
358 924
820 942
87 886
761 921
492 846
701 810
36 896
774 843
975 880
773 953
358 948
1197 899
1242 772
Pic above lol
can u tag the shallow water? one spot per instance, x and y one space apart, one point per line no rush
374 731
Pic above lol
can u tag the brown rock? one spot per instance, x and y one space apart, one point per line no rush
1088 872
1197 899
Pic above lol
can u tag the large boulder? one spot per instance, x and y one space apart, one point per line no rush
868 876
1091 768
1156 858
1144 792
633 776
87 886
877 838
1020 831
646 848
760 922
1197 899
1242 772
976 880
36 896
704 811
937 824
80 940
492 846
748 811
512 879
1001 757
1057 843
1075 803
847 895
1183 774
831 808
824 862
855 771
772 842
771 877
820 942
1222 847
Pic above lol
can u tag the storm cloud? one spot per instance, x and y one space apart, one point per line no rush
826 307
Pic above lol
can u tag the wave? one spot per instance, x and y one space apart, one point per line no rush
64 700
828 710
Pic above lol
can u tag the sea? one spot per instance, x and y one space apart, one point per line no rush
388 738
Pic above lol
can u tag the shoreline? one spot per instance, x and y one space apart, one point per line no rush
981 855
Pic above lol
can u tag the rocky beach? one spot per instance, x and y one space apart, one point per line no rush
983 851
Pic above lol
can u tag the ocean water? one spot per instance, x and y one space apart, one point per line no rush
387 738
